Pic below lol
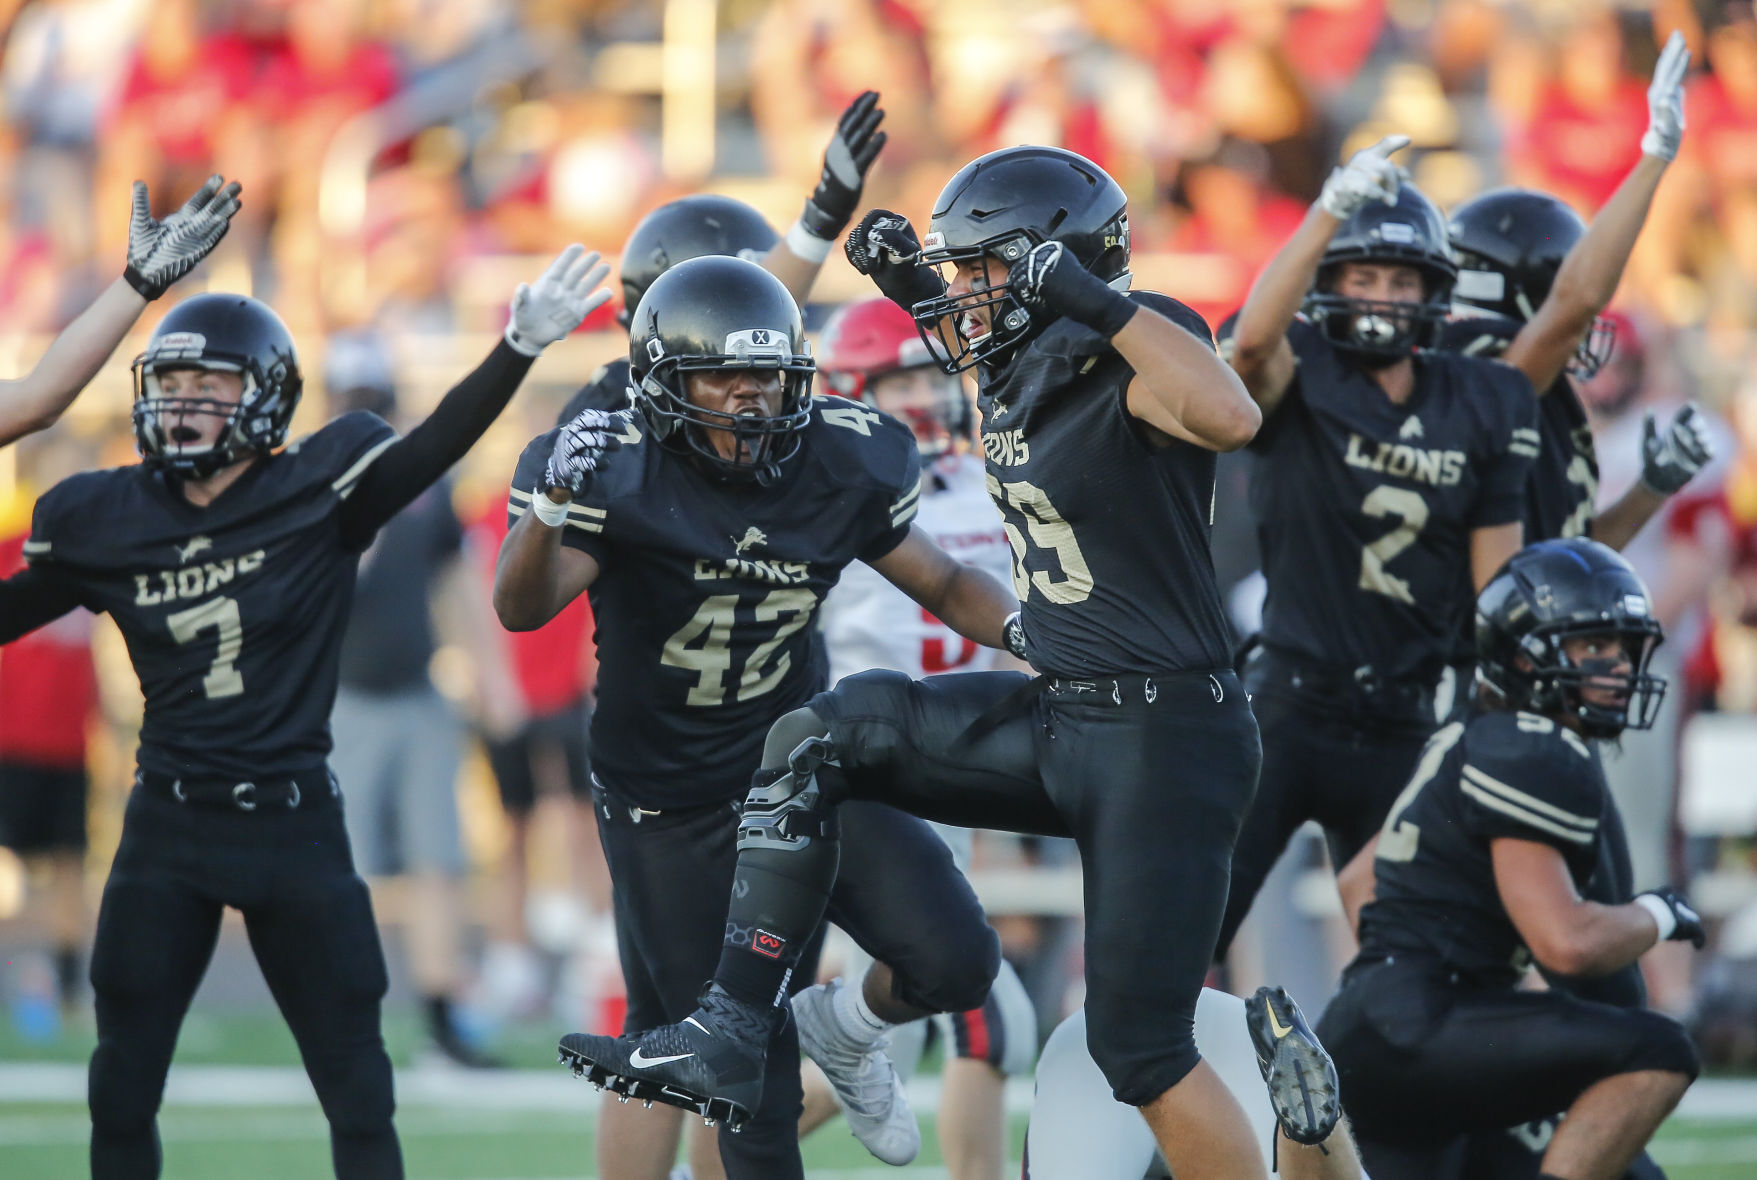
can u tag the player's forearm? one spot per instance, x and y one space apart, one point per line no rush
976 606
411 464
527 575
1279 291
1595 939
35 401
1617 525
797 273
28 600
1190 391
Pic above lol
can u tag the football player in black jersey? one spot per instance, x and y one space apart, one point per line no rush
1389 478
1102 412
159 253
705 223
707 522
1481 869
228 563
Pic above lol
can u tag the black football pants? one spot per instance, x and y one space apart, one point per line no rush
899 896
1426 1060
1324 759
310 923
1151 776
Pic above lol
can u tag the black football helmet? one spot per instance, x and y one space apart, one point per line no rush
1552 590
1510 242
1001 205
232 333
1409 233
720 313
689 227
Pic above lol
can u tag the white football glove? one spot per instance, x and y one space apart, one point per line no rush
1665 101
1670 460
161 252
547 310
1369 175
580 449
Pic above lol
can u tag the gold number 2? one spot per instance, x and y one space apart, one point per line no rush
1383 501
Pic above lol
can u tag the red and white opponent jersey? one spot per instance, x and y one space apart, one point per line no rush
869 623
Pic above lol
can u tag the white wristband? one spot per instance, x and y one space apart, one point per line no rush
805 244
548 511
1663 915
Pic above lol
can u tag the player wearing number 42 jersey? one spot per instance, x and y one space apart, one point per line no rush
707 522
228 563
1481 869
1388 477
1102 410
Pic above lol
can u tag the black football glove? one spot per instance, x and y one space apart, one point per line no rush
1677 919
850 155
1050 283
884 247
161 252
580 449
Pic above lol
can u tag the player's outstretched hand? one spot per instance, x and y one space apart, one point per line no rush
161 252
884 248
1369 175
853 148
1051 283
1677 919
1665 101
547 310
580 449
1671 459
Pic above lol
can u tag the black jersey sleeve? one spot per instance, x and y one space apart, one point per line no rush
32 597
897 463
1512 446
606 389
585 515
1528 778
411 464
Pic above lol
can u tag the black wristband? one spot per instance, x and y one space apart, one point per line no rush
821 224
138 281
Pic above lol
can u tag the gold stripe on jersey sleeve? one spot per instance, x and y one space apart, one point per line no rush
1531 819
579 516
36 548
344 484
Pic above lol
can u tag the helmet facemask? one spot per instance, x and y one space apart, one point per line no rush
1542 678
950 323
1379 332
250 424
762 442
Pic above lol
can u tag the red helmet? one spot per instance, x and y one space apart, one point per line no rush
873 338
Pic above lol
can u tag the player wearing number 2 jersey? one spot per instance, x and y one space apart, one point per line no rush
707 522
228 564
1388 476
1102 411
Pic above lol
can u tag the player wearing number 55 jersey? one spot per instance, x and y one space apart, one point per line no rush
1102 411
707 523
1388 475
1480 870
228 564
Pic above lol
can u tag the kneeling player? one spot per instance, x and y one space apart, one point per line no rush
1479 871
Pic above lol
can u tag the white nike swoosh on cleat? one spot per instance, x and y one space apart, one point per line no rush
698 1024
637 1058
1280 1030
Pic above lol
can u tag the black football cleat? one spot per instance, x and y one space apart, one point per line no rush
712 1063
1302 1079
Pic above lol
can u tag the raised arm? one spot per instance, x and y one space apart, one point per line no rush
799 256
541 314
1258 349
1589 275
30 599
159 253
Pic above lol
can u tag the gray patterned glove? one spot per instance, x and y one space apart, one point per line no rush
161 252
558 302
1671 460
580 449
1665 101
1369 175
847 160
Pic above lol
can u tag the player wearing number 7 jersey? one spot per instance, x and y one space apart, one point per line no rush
228 563
1389 479
707 522
1102 412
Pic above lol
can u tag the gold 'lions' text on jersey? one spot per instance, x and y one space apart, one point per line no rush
233 613
1109 529
1364 507
707 596
1501 774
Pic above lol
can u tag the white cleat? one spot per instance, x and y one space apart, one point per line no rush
866 1084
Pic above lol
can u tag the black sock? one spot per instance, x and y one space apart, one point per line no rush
67 974
438 1009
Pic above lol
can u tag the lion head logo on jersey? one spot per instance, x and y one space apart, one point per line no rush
753 537
195 545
